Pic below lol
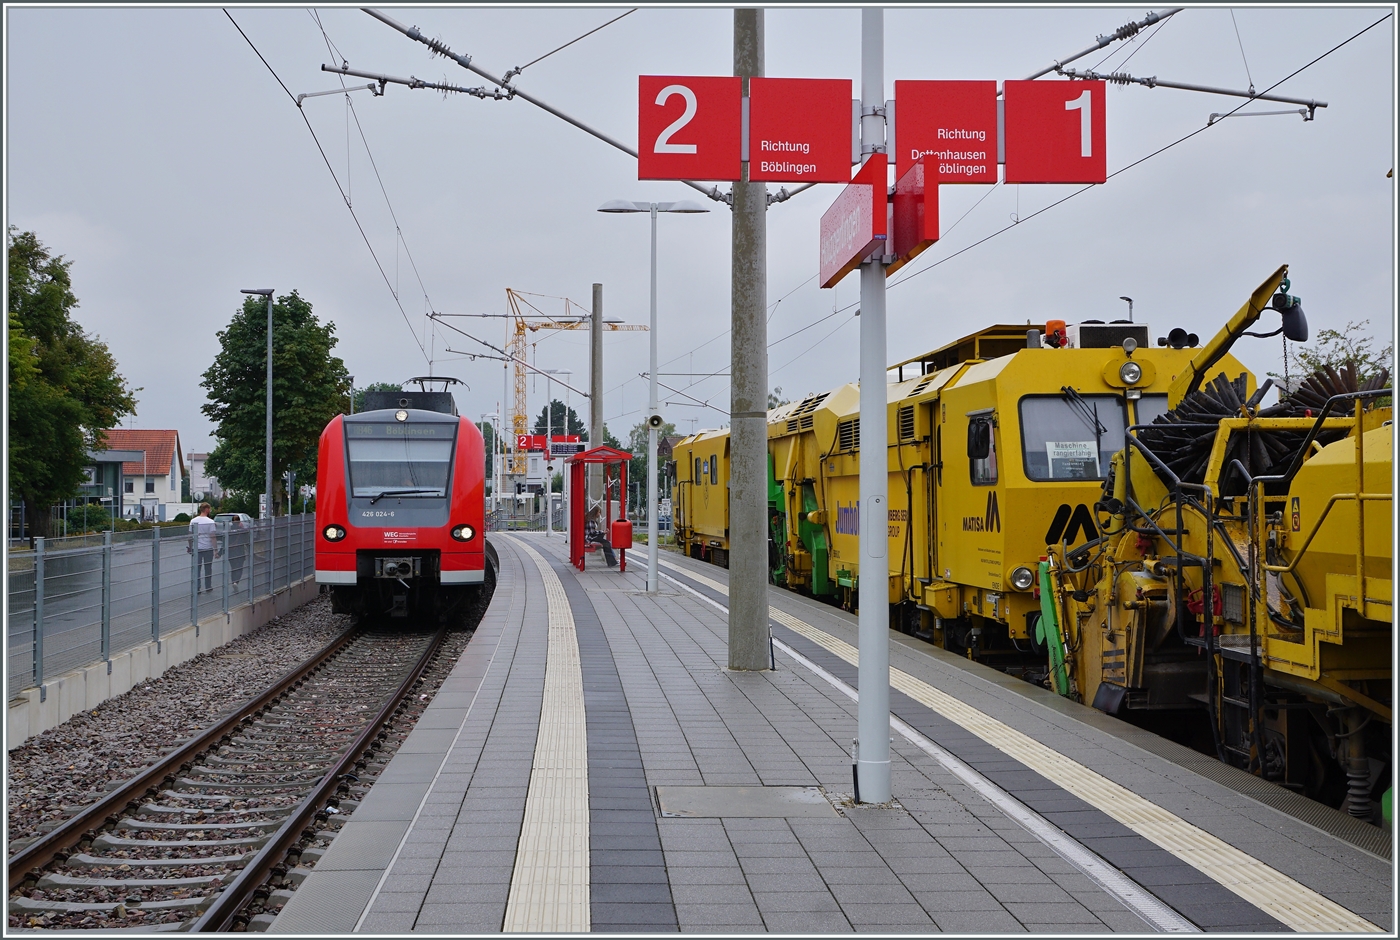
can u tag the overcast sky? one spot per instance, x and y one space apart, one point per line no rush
153 149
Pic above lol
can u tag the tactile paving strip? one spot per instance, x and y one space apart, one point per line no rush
1273 892
549 889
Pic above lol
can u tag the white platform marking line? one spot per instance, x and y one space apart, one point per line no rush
1113 882
549 888
1268 889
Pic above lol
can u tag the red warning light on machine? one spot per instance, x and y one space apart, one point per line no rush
688 127
954 124
1055 132
800 130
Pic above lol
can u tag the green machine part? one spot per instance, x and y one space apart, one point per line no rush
813 539
777 528
1047 631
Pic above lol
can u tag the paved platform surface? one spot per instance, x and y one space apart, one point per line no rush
1014 811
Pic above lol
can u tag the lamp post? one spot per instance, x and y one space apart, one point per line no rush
549 449
488 416
1130 307
685 206
267 467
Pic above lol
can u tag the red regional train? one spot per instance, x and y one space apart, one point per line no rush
400 506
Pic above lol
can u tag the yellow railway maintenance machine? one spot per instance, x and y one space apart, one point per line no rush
1242 568
999 444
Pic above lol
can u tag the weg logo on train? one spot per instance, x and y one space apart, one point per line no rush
990 521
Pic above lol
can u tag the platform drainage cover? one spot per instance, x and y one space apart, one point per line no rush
714 802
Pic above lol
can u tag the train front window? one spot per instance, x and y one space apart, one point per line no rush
400 459
1070 437
1151 407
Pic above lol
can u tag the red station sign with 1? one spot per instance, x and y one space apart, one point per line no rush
799 130
954 124
688 127
856 222
1055 132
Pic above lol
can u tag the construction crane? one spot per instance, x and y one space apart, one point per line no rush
517 348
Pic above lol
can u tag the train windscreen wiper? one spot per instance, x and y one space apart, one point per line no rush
437 491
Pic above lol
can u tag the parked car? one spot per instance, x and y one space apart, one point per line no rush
228 517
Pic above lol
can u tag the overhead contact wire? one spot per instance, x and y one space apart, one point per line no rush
336 179
1141 160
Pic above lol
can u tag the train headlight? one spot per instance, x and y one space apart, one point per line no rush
333 533
463 533
1022 578
1130 372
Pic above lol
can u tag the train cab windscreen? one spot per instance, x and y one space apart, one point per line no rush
1070 437
400 459
1151 407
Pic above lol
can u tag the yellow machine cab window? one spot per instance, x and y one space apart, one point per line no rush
1070 436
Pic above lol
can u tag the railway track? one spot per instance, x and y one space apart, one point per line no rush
213 836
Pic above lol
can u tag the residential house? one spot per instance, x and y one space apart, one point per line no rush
151 485
202 485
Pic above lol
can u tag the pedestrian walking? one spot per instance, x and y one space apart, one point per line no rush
202 541
238 536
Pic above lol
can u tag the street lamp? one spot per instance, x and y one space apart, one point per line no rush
685 206
1130 307
267 471
549 448
495 459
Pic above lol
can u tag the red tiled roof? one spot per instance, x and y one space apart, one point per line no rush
161 447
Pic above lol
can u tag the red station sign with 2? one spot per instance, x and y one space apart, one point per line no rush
952 123
1055 132
799 130
688 127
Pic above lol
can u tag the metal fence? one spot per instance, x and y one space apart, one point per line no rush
77 601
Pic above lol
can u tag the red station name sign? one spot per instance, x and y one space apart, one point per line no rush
856 224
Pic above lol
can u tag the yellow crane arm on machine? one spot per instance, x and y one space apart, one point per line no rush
1190 379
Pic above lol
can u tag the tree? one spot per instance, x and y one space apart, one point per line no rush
775 397
555 413
64 388
372 387
1332 348
309 387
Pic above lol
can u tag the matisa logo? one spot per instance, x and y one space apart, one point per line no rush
1071 525
989 521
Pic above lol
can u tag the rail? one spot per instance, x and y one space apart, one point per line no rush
77 601
222 915
47 847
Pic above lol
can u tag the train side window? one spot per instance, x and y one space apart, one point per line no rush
1070 437
981 450
714 469
697 477
1150 408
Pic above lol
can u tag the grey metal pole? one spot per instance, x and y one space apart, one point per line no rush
107 550
595 392
224 570
155 583
548 474
748 398
194 578
38 611
653 407
267 471
873 709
